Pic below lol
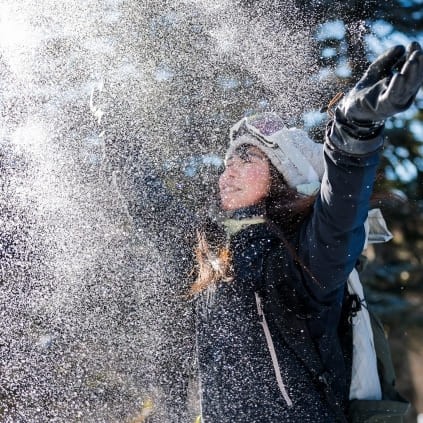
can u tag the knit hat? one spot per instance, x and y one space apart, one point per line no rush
296 156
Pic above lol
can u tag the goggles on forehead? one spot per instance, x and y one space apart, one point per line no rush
243 127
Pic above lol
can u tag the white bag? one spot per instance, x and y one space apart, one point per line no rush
365 384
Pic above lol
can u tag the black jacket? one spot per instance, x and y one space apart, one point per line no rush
238 382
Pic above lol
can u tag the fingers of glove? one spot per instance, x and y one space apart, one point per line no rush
382 66
403 87
412 71
412 47
398 93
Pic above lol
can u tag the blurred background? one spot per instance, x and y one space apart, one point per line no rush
114 119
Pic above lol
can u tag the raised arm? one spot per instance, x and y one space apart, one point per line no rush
334 237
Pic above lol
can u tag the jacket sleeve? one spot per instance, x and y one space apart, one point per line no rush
332 240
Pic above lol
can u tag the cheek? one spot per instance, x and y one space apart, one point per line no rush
260 180
261 176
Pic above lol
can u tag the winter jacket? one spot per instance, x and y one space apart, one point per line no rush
237 375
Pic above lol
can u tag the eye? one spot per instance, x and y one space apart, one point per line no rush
242 152
245 158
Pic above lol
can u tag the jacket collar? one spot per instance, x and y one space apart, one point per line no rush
243 218
233 226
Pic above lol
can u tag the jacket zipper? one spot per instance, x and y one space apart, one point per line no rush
272 351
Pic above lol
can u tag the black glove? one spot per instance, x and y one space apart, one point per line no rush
379 94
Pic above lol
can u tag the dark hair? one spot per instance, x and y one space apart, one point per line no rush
284 205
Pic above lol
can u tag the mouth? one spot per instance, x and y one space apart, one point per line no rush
229 190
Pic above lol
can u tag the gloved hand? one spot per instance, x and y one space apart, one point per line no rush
380 93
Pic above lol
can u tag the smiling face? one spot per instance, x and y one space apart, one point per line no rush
246 179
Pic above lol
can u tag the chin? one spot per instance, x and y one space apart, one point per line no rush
228 206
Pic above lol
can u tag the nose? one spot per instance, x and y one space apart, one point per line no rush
226 176
228 173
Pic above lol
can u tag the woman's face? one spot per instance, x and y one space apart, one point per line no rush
246 179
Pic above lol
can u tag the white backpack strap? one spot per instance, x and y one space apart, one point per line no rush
272 351
376 228
365 383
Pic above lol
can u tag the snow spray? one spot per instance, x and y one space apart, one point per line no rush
115 114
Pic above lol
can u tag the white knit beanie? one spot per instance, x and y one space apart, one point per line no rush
296 156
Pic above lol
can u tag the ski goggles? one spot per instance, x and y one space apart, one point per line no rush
242 127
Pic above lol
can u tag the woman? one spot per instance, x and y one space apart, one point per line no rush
276 291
